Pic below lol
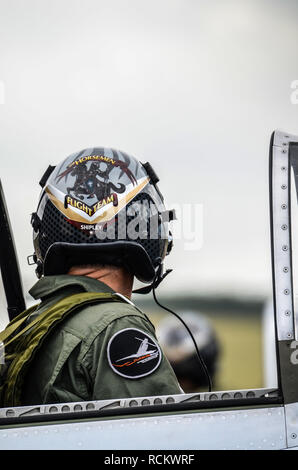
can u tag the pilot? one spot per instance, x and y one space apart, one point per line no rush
102 349
180 350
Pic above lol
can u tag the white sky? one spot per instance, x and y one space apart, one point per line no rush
195 87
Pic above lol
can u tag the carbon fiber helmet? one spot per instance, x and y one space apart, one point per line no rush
101 206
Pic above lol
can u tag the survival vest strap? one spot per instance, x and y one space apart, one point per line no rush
21 343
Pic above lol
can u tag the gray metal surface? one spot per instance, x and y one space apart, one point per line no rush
291 420
281 138
281 236
240 429
294 226
79 407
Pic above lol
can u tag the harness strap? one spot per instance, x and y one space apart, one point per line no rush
16 323
21 348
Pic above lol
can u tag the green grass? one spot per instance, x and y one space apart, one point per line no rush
241 360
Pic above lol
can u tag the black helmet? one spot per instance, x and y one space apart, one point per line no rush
101 205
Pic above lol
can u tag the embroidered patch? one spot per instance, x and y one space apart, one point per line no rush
133 354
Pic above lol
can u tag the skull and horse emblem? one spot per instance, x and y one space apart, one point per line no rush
92 177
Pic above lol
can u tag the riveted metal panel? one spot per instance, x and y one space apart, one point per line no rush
280 224
291 417
281 138
20 413
262 428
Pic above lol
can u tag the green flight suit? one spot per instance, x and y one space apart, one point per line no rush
74 362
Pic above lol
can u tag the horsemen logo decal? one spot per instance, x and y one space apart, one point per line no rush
92 182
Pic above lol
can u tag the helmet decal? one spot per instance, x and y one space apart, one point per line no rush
79 168
100 211
90 190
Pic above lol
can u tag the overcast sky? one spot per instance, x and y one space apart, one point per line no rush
195 87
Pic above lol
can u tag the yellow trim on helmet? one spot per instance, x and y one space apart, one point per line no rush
106 216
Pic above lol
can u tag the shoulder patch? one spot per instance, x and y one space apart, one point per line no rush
132 353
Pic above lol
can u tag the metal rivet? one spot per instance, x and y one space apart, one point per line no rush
283 186
285 248
283 168
284 227
293 435
285 269
286 291
287 313
289 335
284 206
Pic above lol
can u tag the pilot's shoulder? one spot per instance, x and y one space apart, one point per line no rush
93 319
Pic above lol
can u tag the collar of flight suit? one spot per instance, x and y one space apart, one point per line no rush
50 285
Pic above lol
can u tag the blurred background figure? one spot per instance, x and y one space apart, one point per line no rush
178 346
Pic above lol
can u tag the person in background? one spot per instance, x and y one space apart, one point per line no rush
178 346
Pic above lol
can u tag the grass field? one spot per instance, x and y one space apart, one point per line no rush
241 362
